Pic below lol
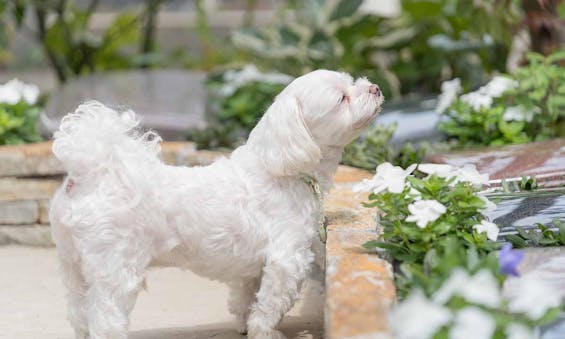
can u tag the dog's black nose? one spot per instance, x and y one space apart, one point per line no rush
374 89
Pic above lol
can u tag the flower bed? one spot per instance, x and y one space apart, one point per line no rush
448 274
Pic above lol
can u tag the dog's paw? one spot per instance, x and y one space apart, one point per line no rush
241 324
266 334
241 328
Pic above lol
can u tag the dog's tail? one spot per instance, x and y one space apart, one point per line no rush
95 138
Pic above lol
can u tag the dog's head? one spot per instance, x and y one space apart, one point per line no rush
319 109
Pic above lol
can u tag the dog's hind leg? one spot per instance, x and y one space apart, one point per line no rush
283 276
242 295
114 281
76 290
70 267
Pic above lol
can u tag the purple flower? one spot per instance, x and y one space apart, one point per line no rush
509 259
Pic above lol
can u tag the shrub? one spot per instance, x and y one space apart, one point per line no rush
18 113
526 106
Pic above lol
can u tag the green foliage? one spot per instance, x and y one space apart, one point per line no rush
440 257
539 95
218 136
540 236
542 84
526 183
374 148
62 29
248 103
18 123
405 54
234 116
411 243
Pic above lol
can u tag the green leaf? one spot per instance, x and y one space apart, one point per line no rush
557 56
516 241
345 8
372 244
549 316
288 37
561 10
18 11
422 9
561 233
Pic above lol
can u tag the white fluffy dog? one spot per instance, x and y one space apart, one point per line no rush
248 220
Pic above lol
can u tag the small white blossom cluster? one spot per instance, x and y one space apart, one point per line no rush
387 177
484 98
393 179
519 113
467 173
425 211
15 91
234 79
449 92
419 317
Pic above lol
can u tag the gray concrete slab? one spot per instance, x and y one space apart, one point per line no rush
178 304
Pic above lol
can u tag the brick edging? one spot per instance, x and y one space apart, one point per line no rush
359 284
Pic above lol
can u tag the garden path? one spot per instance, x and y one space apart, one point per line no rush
178 304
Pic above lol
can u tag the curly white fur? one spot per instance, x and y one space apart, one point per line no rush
248 220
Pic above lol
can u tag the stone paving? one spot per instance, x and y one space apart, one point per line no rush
177 304
545 160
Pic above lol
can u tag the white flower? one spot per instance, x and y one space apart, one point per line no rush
233 79
497 86
15 90
467 173
489 205
449 91
481 289
387 177
425 211
532 296
415 193
418 318
477 100
472 322
441 170
518 113
488 227
518 331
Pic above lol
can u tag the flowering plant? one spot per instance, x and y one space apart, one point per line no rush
18 113
241 97
419 210
443 249
374 147
509 109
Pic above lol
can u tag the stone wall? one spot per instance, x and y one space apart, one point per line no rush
29 176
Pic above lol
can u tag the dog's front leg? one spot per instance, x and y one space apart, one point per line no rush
242 296
285 270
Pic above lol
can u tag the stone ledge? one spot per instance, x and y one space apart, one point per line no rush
30 235
359 285
37 160
19 212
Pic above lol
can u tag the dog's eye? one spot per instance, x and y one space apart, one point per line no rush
344 98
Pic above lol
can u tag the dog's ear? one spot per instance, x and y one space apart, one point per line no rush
283 141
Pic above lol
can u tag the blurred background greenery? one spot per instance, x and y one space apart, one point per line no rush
408 47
